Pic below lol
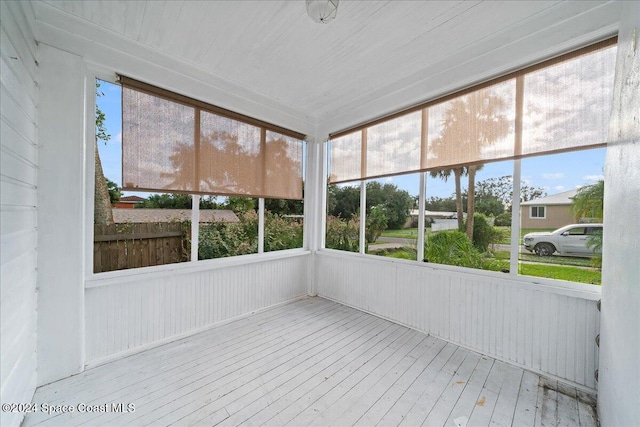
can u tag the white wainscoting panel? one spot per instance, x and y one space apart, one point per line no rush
18 205
540 327
139 311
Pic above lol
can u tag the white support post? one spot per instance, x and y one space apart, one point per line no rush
515 218
421 226
363 216
323 151
314 194
195 226
260 225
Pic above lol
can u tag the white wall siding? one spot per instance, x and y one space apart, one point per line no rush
130 313
619 373
545 329
18 183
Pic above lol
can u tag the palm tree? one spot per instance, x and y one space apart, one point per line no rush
445 174
588 202
471 122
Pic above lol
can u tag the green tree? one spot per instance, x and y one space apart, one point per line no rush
168 201
394 202
343 202
589 202
439 204
102 213
502 189
241 204
284 206
114 191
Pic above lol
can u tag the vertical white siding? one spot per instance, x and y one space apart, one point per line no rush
537 327
128 314
18 181
619 373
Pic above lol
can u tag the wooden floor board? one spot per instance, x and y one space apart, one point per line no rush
314 362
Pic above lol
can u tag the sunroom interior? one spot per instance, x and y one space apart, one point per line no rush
269 63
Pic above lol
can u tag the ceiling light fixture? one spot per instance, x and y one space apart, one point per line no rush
322 11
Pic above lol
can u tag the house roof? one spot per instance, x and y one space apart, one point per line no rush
433 214
131 199
563 198
168 215
269 59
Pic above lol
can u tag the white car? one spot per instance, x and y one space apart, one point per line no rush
569 240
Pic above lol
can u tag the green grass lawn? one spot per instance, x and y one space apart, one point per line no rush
406 233
506 233
412 233
557 260
573 274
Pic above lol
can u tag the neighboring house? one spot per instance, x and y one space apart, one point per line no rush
548 212
433 217
207 216
129 202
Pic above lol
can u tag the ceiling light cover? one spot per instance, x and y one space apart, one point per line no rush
322 11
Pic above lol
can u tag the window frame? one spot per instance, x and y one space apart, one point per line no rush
94 72
538 207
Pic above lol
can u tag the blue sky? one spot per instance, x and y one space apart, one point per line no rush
555 173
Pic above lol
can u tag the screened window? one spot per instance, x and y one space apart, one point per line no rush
171 143
560 105
537 212
470 145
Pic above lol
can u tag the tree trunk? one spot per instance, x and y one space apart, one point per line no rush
471 200
457 173
102 214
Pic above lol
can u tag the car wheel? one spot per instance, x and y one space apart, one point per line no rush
544 249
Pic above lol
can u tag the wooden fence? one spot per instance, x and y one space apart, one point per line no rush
133 245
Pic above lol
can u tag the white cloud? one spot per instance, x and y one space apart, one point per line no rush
593 177
119 138
553 176
389 179
559 188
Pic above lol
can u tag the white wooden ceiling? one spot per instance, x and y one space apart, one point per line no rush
373 49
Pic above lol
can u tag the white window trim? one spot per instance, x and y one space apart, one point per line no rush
538 217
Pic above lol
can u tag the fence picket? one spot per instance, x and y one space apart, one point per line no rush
122 246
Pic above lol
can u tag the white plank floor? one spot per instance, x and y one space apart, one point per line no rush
311 362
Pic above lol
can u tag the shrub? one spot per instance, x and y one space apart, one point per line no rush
452 247
376 223
281 233
503 220
484 233
342 234
219 240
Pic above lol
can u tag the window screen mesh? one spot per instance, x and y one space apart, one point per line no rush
567 105
394 146
472 128
172 146
284 167
230 158
563 104
346 158
157 143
